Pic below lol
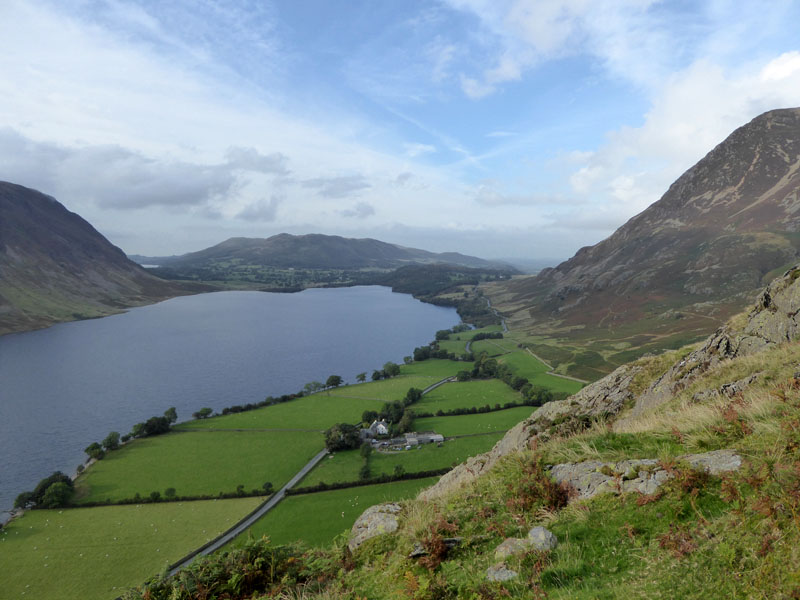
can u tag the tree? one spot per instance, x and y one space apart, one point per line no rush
333 381
137 430
111 441
463 376
391 369
399 471
363 473
56 495
24 500
366 450
155 496
267 487
312 387
368 416
95 451
203 413
171 414
169 493
408 360
376 375
342 436
361 377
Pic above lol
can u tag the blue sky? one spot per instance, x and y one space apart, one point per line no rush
502 128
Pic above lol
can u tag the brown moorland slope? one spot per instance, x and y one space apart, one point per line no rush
675 271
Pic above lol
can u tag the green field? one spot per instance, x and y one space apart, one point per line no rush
535 371
385 390
344 466
436 367
467 394
494 347
198 463
318 518
94 554
317 412
501 420
455 346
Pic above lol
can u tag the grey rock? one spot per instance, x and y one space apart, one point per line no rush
542 539
511 546
500 572
590 478
376 520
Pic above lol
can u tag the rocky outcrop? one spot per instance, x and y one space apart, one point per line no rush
645 476
376 520
602 398
772 320
500 572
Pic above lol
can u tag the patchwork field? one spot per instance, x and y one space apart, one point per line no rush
501 420
535 371
96 553
318 518
315 412
385 390
344 466
436 367
467 394
198 463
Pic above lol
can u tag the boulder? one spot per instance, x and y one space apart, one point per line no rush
500 572
542 538
376 520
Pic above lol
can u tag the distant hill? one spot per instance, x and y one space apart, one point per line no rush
54 266
312 251
726 227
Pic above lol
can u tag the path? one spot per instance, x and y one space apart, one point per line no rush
551 372
264 508
246 522
497 314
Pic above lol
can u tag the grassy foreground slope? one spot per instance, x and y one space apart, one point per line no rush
97 553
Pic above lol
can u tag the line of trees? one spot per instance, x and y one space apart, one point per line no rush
54 491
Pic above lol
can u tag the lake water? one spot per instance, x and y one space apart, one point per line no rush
64 387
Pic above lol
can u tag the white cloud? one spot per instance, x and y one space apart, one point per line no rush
414 150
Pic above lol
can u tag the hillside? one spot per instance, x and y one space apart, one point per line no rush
675 271
676 476
312 251
54 266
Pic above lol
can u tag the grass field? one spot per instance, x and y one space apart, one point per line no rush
198 463
435 367
535 371
318 518
457 347
318 412
501 420
466 395
385 390
94 554
344 466
494 347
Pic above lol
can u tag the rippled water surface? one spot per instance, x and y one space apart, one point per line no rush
62 388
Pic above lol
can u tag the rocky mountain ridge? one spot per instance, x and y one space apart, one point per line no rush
699 254
54 266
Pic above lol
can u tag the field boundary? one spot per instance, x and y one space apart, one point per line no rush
552 372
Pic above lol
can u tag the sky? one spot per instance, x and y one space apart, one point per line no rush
497 128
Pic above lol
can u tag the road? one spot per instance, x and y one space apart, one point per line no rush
259 512
242 525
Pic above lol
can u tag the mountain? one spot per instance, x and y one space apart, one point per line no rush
679 268
313 251
54 266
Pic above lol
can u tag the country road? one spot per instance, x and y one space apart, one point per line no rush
264 508
243 525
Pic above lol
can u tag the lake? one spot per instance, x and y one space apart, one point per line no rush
64 387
